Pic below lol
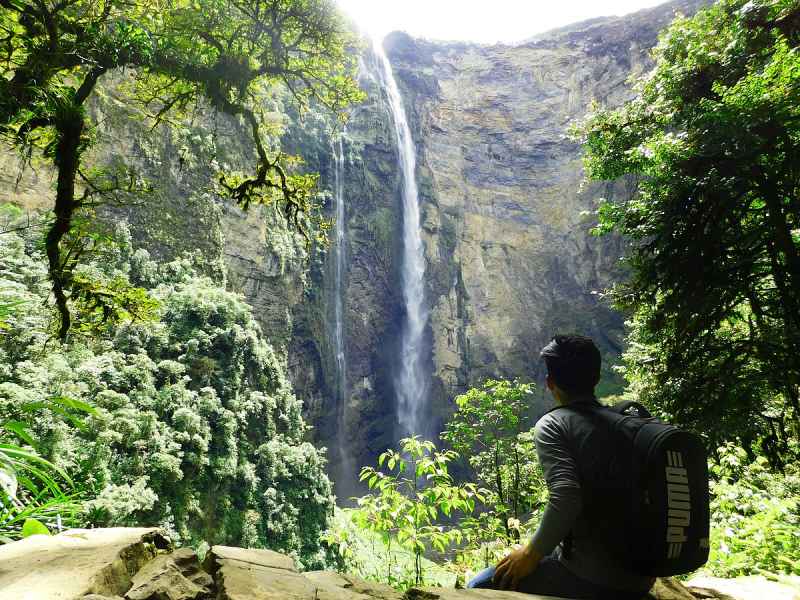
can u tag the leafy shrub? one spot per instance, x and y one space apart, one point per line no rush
492 427
372 556
196 428
412 496
755 516
32 493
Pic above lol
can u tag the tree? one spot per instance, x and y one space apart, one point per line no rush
226 53
491 426
412 496
713 140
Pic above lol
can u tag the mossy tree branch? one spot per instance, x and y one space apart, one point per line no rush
225 51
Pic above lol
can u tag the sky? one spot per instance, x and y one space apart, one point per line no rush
484 21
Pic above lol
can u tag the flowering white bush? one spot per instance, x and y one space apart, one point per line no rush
196 427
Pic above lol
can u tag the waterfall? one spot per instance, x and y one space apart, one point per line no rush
338 302
342 396
412 381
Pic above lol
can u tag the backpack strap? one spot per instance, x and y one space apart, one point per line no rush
609 414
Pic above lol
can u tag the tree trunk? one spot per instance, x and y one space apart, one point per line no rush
499 484
70 130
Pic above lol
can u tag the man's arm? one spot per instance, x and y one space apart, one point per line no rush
563 484
563 506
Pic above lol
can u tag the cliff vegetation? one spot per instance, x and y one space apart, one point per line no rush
183 419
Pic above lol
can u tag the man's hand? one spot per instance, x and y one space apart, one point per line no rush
516 566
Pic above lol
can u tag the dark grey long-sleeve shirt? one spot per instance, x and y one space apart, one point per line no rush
563 438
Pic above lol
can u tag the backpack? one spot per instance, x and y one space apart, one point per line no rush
660 504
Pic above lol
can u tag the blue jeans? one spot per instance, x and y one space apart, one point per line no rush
552 578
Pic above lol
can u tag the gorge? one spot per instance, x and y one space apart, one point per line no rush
503 226
273 296
461 240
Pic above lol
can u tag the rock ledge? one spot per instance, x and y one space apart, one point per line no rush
140 564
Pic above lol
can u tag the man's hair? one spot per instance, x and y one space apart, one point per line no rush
573 362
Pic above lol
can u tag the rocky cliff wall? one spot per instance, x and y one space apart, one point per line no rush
505 208
510 260
505 213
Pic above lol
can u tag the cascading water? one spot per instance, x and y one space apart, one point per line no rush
342 399
412 381
338 303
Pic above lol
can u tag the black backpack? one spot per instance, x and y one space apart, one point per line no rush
659 510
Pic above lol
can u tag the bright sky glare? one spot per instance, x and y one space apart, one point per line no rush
485 21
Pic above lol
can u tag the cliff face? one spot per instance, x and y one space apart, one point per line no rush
504 208
509 257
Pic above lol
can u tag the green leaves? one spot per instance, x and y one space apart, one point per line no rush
34 527
412 495
232 56
19 429
70 409
30 491
492 427
8 308
103 302
143 414
711 143
754 516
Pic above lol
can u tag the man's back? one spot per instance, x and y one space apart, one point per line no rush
583 471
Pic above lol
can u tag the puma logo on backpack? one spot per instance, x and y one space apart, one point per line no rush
679 503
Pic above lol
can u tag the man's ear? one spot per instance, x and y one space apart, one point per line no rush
550 383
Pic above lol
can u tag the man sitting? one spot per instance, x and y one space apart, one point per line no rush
573 553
